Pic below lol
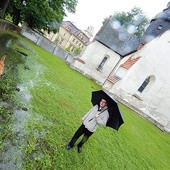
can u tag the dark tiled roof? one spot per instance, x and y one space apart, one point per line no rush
158 25
76 32
119 40
156 28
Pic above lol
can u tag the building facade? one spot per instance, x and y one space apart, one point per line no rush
136 71
104 53
144 76
145 79
69 37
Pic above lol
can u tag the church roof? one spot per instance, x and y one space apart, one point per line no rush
165 14
158 25
118 40
130 62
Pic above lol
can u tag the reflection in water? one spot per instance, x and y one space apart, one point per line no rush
6 41
11 154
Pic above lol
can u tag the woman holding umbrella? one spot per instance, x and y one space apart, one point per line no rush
97 116
105 112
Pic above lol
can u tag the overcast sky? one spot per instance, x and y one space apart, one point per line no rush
93 12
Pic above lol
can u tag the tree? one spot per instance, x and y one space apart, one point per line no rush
3 7
77 50
40 14
135 21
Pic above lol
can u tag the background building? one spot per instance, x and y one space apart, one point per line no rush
70 37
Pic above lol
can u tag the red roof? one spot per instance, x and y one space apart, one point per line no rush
113 79
129 63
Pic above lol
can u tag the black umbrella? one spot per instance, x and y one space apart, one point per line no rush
115 116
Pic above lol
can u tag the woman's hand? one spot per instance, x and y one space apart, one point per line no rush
97 115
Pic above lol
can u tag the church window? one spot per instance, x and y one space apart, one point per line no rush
102 62
144 84
61 41
159 27
68 28
80 35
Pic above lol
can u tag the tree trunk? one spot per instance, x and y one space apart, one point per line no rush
30 21
16 15
3 5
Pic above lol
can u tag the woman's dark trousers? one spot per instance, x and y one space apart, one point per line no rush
82 130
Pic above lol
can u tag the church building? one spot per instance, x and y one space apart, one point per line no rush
135 71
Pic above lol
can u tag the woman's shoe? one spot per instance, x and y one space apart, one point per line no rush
68 147
79 148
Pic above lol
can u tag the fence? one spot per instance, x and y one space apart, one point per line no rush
37 38
43 42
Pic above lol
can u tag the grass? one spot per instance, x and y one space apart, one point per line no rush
38 120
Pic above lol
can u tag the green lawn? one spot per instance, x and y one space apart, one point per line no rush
41 105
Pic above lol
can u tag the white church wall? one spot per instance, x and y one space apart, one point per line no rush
120 72
156 55
164 101
92 58
153 61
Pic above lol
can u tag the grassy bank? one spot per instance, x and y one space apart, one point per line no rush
41 105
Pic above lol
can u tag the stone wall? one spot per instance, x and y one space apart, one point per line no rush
142 109
37 38
8 26
43 42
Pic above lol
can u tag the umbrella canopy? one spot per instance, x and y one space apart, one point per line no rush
115 116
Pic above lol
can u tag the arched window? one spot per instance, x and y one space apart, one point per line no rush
68 28
102 62
144 84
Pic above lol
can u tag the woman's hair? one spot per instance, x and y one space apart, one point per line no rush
106 99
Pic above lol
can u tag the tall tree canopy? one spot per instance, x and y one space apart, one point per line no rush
39 14
134 19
